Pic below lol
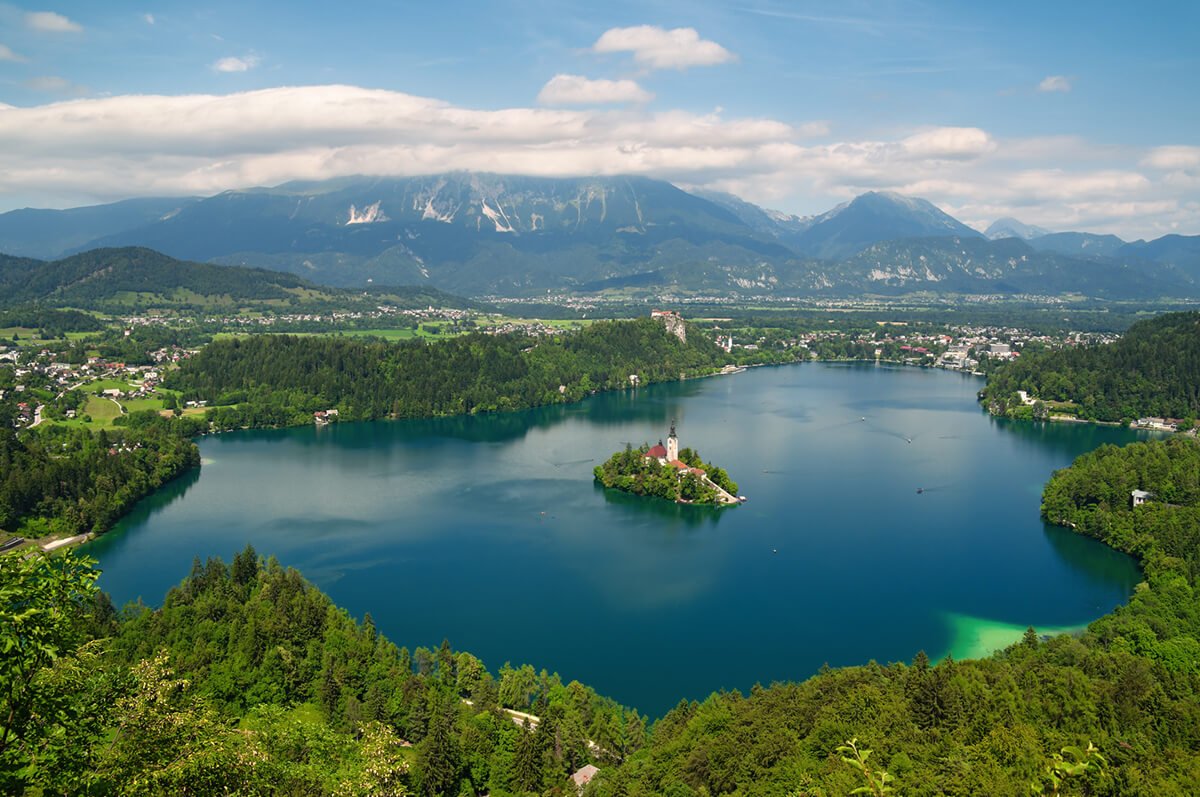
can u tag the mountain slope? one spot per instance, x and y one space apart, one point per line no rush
1005 266
1084 244
784 226
135 276
471 233
1009 227
873 217
1182 251
52 233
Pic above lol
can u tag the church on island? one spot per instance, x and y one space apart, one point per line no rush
667 471
668 456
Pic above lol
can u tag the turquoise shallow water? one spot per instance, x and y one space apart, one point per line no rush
491 531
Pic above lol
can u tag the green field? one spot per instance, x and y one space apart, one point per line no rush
102 411
135 405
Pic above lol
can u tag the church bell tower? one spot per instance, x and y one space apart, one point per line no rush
672 445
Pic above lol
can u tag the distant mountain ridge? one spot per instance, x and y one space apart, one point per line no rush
1078 243
126 278
510 235
1009 227
873 217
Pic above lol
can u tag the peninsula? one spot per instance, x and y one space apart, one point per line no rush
668 472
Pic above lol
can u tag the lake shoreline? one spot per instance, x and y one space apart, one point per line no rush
349 504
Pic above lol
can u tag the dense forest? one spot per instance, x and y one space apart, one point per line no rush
632 471
1154 370
56 480
52 322
248 680
269 380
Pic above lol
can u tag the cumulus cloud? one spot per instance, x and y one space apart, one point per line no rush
8 55
149 18
1173 157
949 143
236 64
1056 83
111 147
814 129
657 48
578 90
50 22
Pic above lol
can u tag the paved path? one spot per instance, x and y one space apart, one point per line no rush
519 717
50 546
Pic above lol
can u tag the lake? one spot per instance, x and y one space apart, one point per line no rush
491 531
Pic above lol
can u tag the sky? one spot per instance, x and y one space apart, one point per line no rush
1067 115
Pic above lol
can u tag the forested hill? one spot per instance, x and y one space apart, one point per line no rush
248 680
281 380
123 278
1154 370
57 480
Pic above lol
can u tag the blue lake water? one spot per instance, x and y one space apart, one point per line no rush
490 530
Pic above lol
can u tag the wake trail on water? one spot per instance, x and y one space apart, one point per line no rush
891 433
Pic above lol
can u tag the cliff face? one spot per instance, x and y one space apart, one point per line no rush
675 326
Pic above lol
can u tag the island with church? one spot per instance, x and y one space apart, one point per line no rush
668 472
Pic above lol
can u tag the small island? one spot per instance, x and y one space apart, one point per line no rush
668 472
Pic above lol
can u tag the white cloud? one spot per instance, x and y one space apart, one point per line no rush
817 128
657 48
578 90
1056 83
149 18
236 64
113 147
949 143
51 22
8 55
1173 157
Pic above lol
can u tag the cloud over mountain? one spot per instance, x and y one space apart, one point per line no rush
137 145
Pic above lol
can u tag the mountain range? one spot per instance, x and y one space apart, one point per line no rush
504 235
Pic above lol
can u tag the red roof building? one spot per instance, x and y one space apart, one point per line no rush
658 452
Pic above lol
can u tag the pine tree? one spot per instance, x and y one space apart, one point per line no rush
526 765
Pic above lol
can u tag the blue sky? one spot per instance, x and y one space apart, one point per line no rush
1067 115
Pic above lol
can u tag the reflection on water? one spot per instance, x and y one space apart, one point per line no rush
666 514
490 530
1092 560
143 511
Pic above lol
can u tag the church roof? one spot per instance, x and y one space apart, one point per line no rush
657 451
677 464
